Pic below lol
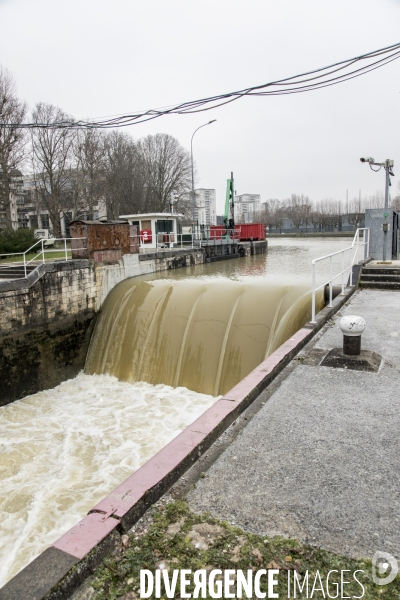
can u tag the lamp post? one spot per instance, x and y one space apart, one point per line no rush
191 156
388 166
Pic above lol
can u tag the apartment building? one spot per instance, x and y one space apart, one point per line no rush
205 206
16 199
247 208
27 211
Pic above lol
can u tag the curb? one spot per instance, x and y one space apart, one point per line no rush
61 569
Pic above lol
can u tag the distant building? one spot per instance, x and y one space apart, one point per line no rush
205 212
247 208
27 210
16 197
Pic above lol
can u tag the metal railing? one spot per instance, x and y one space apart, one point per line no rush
197 238
41 250
166 240
353 251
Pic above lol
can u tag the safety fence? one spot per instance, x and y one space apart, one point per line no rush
188 238
44 250
347 258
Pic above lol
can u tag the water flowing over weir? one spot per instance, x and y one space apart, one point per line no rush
205 335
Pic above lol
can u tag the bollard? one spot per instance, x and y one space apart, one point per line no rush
352 327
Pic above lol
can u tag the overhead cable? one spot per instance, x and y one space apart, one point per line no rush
305 82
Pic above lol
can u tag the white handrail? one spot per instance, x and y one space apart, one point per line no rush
202 237
355 245
41 254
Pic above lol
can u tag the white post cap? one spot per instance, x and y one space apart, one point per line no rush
352 325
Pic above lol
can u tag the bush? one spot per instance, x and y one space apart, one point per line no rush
17 240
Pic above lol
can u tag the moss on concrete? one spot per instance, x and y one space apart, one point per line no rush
175 538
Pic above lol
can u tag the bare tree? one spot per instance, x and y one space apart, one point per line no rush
121 186
296 210
315 219
52 159
330 213
377 200
12 138
396 200
266 214
273 214
356 212
87 171
167 171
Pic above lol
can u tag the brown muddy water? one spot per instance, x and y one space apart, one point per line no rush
165 346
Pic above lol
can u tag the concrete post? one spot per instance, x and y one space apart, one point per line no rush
352 327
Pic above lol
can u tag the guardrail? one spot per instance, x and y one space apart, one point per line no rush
354 250
190 239
42 250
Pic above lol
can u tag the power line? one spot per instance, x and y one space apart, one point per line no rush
305 82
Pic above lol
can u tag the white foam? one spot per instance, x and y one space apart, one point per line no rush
63 449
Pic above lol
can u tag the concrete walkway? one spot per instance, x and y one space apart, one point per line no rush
321 461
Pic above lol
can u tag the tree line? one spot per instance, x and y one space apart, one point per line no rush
324 215
75 169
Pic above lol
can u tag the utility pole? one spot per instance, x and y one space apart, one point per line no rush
388 166
191 157
386 213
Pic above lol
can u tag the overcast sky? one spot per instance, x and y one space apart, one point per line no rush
104 57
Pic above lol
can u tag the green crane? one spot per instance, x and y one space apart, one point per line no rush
229 219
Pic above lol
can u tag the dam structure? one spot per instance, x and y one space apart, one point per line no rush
204 335
163 352
48 313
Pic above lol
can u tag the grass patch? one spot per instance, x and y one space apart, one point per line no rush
176 538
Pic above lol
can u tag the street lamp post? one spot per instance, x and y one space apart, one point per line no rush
191 155
388 166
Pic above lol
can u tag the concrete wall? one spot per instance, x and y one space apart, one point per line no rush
65 291
45 329
47 319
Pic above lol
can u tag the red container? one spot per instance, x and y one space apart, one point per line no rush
217 231
251 231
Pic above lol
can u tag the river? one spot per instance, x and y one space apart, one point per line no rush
62 450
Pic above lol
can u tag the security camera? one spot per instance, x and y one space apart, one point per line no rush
368 159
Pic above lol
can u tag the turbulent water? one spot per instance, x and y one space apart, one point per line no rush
64 449
205 335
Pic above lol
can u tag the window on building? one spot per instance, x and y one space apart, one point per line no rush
45 221
164 226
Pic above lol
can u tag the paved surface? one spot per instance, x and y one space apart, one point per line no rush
320 462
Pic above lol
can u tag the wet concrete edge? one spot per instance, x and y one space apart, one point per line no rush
94 537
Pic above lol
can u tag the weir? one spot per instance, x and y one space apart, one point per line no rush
204 335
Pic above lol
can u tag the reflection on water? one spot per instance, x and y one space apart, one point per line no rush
287 259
